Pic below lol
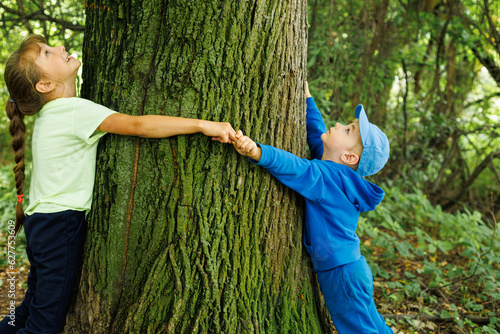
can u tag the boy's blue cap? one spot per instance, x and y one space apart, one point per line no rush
375 145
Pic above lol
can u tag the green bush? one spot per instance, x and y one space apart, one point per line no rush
447 264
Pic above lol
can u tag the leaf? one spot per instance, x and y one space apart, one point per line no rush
445 246
468 252
409 274
429 268
433 284
445 314
404 248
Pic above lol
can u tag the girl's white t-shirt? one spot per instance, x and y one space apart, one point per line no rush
64 149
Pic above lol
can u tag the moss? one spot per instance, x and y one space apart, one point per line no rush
184 235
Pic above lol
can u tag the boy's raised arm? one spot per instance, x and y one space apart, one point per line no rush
315 127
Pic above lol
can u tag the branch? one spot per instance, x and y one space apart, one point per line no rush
449 157
420 67
405 113
493 26
485 98
490 65
495 172
445 164
487 61
25 22
62 23
41 16
468 21
475 174
480 129
439 53
404 5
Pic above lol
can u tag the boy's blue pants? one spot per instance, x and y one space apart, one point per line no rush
55 248
348 293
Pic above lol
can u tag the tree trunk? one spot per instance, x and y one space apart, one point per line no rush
184 235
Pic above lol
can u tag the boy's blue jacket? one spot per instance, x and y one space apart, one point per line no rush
334 195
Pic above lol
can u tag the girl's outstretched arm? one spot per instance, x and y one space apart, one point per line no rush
157 126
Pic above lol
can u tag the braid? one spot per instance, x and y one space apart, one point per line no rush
17 130
21 75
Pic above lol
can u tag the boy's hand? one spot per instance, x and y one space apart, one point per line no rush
221 132
307 90
247 147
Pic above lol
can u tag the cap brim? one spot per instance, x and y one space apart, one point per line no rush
364 125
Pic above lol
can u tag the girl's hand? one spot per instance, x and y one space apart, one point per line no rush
246 146
221 132
307 90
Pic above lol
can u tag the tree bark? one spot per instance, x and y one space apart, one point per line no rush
184 235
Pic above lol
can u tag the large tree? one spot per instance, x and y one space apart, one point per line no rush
185 236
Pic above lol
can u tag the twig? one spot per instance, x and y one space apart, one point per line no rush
444 297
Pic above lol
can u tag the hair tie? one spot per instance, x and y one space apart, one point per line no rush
20 198
11 100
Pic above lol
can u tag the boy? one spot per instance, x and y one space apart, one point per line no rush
335 193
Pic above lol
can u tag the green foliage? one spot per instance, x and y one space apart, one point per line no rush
447 264
419 70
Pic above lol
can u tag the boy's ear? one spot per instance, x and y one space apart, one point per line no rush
350 158
45 86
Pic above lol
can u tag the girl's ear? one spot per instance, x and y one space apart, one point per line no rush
350 159
45 86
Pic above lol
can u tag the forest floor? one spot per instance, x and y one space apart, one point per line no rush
432 308
13 283
393 295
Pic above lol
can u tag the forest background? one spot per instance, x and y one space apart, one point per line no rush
428 73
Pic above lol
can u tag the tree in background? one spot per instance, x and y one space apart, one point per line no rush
184 236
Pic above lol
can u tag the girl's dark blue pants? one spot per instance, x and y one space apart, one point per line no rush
348 293
54 247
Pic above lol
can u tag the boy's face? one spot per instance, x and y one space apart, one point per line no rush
341 138
57 64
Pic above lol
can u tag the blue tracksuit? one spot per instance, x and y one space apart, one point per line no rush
334 196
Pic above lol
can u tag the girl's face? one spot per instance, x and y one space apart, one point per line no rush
57 65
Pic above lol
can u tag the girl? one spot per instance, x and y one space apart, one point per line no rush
41 80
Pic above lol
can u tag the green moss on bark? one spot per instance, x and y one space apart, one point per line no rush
185 236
